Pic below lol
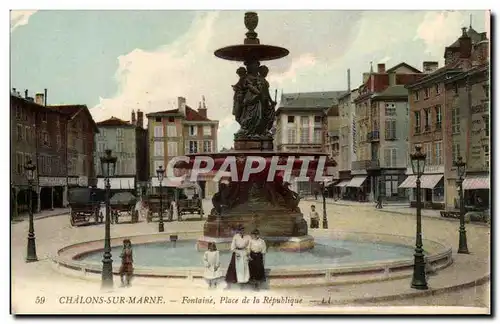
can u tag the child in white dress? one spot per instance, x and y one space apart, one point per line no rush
211 260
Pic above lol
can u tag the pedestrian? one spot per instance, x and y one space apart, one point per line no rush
257 249
314 217
379 202
211 260
237 271
316 194
127 268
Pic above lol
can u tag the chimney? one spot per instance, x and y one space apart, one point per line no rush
132 120
392 79
45 97
348 79
430 66
202 110
381 68
26 94
140 118
14 90
465 44
39 99
181 105
366 75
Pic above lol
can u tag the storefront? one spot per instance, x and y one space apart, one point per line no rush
389 186
358 188
477 191
432 190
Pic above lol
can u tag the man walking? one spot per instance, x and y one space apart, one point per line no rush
379 202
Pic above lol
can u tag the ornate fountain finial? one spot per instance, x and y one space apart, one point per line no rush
251 22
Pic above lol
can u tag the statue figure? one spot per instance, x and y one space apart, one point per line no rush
239 93
268 104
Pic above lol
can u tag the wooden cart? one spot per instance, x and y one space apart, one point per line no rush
189 200
153 205
85 207
122 204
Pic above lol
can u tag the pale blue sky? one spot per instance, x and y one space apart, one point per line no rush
116 61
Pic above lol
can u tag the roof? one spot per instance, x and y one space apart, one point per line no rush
333 111
310 100
72 110
191 114
114 122
16 97
381 82
403 64
453 67
395 91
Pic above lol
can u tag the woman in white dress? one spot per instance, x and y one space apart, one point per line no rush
238 272
211 260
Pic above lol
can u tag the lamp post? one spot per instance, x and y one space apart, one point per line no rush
325 220
108 163
418 166
30 169
160 173
462 239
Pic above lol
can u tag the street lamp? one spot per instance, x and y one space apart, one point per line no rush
30 169
418 166
160 173
462 241
325 220
108 164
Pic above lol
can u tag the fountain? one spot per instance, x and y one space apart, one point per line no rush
264 200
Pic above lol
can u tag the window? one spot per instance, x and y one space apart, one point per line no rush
487 126
19 113
292 135
159 149
416 95
291 119
102 147
391 186
207 146
119 147
455 88
455 151
45 138
171 119
192 147
102 132
417 122
318 119
58 122
426 93
438 116
20 132
436 88
428 151
455 120
58 141
317 136
390 157
158 131
193 130
171 130
158 119
20 162
304 129
438 153
27 134
207 130
390 109
43 116
428 121
390 129
172 149
487 156
119 132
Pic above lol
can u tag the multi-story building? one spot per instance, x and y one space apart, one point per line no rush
81 130
181 131
301 121
435 122
332 140
38 135
377 88
128 142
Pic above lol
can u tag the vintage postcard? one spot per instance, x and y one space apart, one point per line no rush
250 162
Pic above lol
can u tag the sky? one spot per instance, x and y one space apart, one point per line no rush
116 61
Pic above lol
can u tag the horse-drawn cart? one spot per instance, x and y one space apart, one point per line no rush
122 203
153 205
189 200
85 206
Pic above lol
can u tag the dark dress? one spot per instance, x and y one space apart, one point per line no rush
127 267
256 266
231 270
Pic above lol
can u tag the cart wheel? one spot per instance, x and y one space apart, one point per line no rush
72 220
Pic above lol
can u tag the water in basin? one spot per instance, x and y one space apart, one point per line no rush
325 252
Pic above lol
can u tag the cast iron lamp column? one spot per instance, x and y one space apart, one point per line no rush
160 173
325 219
462 239
418 166
30 169
108 164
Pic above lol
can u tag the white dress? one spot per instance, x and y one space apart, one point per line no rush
212 265
239 246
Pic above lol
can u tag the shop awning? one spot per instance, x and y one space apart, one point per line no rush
343 183
117 183
357 181
476 182
427 181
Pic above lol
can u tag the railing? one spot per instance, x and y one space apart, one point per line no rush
365 165
373 136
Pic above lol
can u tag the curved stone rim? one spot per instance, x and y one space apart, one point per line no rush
248 52
439 256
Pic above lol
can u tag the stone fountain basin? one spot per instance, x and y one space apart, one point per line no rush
438 257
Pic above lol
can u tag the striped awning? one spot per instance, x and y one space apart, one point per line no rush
427 181
357 181
342 183
117 183
476 182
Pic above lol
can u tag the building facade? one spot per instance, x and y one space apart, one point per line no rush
128 142
332 140
38 135
181 131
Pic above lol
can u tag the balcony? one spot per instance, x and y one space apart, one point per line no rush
373 136
365 165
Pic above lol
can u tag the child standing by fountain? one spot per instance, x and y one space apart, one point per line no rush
127 268
212 264
314 216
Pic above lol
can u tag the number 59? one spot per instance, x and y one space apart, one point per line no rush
39 300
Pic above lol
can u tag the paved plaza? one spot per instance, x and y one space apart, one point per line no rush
463 284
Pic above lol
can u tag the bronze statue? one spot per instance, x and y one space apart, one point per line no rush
268 104
239 93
